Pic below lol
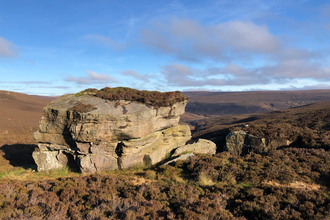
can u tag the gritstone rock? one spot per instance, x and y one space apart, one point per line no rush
202 146
96 134
240 143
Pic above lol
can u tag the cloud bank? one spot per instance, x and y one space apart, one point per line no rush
236 53
189 40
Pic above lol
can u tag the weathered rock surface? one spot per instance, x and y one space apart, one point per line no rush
240 143
202 146
154 147
110 121
47 160
93 134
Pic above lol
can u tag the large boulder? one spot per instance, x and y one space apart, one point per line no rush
98 130
96 133
106 121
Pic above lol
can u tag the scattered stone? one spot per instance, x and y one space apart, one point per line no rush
181 157
276 143
239 143
202 146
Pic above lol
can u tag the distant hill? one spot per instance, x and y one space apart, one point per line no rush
19 116
210 104
20 113
51 98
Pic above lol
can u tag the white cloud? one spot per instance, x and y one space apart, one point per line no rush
190 40
228 44
235 75
7 48
246 36
298 68
92 78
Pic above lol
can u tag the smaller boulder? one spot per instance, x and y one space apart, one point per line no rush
202 146
181 157
239 143
276 143
48 160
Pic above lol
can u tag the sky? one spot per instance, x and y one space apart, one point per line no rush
58 47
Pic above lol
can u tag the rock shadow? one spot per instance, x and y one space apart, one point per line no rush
19 155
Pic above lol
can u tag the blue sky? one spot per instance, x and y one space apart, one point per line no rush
57 47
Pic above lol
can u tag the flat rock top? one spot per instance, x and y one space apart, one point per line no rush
102 106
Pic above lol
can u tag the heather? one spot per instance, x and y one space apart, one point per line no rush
290 183
152 98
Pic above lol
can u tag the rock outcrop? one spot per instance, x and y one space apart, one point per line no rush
95 134
239 143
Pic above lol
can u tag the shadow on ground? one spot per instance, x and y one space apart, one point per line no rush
19 155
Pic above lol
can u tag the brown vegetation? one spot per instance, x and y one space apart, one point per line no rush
288 183
152 98
209 187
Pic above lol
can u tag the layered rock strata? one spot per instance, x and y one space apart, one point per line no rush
93 134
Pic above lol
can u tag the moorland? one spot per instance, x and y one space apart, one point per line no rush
290 182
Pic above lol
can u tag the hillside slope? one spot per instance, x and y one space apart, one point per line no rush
287 183
19 116
306 125
234 103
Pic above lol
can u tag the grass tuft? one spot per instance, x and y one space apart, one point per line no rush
204 180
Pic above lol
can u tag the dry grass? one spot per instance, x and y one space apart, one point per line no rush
296 184
204 180
19 173
137 181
